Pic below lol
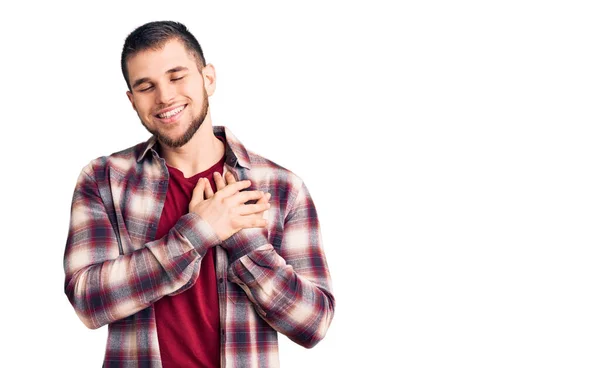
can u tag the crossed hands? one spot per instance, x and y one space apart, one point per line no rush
226 210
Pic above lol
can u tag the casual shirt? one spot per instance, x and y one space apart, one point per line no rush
115 269
187 324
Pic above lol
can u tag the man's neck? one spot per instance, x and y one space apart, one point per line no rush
197 155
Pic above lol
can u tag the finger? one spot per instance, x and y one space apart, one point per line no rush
208 192
243 197
197 193
265 198
230 178
250 209
219 181
232 189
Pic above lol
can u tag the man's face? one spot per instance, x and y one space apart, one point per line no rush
169 93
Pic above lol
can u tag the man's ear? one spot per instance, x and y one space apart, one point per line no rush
130 97
210 79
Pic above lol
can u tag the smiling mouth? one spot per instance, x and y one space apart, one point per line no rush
171 115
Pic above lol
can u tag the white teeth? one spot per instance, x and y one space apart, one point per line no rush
168 114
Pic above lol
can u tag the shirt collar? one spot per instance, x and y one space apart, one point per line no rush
235 152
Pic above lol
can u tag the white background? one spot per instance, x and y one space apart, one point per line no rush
452 150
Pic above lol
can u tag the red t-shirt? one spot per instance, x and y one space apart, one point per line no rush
188 323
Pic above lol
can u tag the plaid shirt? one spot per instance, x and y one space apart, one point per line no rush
115 269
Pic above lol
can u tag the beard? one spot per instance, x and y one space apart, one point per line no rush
195 124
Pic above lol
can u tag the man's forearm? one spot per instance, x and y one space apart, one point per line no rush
113 289
104 285
292 304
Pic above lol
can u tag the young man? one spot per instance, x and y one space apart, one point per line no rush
192 249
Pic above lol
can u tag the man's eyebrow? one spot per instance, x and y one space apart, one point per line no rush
172 70
177 69
139 81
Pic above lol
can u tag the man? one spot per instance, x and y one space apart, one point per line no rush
192 249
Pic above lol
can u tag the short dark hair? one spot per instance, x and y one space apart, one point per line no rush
153 36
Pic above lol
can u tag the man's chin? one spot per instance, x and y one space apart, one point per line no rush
172 142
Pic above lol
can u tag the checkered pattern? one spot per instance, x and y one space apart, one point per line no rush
115 269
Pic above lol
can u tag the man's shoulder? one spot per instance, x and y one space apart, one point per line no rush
289 187
260 162
271 171
121 161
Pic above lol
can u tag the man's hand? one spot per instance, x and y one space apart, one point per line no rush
246 240
231 180
226 210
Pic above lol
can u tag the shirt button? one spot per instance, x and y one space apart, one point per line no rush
220 280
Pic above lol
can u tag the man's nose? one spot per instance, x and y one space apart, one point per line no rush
165 94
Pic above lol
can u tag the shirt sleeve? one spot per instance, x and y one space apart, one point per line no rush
104 285
291 290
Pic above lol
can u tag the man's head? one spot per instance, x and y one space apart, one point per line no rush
153 36
168 80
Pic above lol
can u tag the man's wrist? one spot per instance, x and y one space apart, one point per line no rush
243 242
197 231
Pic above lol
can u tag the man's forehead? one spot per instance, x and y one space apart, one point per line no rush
161 59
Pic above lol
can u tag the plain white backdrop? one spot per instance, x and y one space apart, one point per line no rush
452 150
